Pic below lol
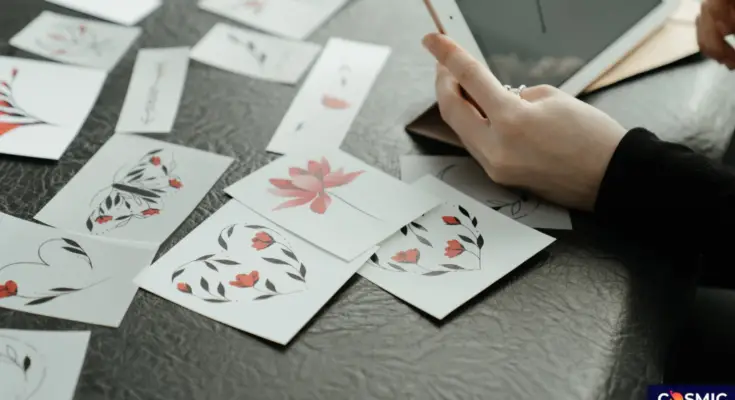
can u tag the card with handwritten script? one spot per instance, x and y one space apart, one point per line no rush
243 270
76 40
128 12
41 364
467 176
332 199
451 253
294 19
330 99
254 54
38 117
155 91
51 272
136 189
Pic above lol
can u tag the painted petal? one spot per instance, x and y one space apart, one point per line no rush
321 203
302 194
308 182
293 203
315 169
326 169
294 172
339 178
282 183
5 128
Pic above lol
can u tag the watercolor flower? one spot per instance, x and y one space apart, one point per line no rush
245 280
262 240
335 103
151 211
407 257
175 183
454 248
103 219
451 220
183 287
11 114
9 289
310 186
156 160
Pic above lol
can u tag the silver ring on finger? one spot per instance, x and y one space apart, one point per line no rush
516 91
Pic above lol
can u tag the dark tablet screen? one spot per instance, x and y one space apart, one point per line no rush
532 42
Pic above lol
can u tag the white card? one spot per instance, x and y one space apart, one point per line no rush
43 105
464 174
129 12
41 365
240 269
155 91
47 271
332 199
294 19
254 54
451 253
330 99
76 40
136 189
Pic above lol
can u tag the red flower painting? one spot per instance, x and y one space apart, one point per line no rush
262 241
246 280
335 103
184 287
454 248
8 289
175 183
407 257
11 114
309 186
73 39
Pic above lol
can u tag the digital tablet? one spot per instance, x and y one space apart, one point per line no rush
563 43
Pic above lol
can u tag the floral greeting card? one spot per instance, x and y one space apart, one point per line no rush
136 189
450 254
76 40
465 174
51 272
43 105
41 364
331 97
129 12
332 199
295 19
243 270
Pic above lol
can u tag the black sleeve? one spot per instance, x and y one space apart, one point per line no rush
665 194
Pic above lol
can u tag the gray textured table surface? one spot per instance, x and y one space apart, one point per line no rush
587 319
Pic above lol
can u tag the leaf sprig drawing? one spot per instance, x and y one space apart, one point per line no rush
258 55
71 39
10 355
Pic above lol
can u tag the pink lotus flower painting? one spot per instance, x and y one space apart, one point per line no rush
309 186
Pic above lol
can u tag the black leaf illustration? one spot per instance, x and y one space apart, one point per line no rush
40 300
89 224
397 267
474 222
204 284
255 226
26 364
229 231
159 190
294 276
63 289
211 266
466 239
152 152
221 289
302 271
207 257
108 202
165 170
149 179
275 261
102 212
74 250
222 242
290 254
480 242
122 217
263 297
404 230
270 286
135 171
417 226
435 273
227 262
127 204
424 241
176 273
117 199
374 258
463 211
135 190
516 208
71 242
451 266
136 177
216 301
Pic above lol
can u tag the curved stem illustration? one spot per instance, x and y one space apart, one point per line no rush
354 207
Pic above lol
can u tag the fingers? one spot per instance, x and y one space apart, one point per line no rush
536 93
712 26
471 74
457 112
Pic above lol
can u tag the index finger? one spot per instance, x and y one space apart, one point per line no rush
471 74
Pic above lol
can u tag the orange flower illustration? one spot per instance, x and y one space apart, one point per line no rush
451 220
102 219
151 211
407 257
245 280
183 287
11 114
454 248
9 289
155 160
175 183
334 103
262 240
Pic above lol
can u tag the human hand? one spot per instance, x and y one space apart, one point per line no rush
715 21
544 140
